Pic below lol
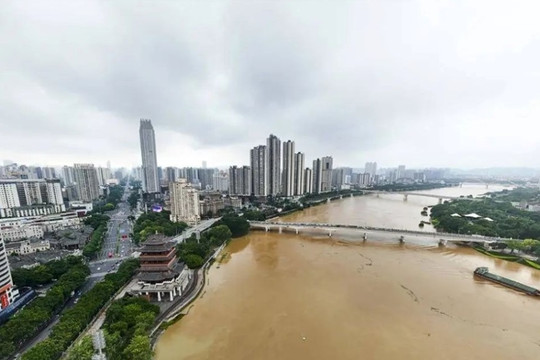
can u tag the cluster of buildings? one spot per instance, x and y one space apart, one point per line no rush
34 204
275 169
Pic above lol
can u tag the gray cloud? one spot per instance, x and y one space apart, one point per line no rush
398 82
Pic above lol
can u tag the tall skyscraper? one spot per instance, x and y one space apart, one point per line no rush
308 181
371 169
68 175
326 184
273 147
150 178
317 176
299 186
184 202
288 169
259 170
87 182
6 283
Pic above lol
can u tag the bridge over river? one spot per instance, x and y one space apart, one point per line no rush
406 195
369 232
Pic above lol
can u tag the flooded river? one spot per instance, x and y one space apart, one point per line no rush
287 296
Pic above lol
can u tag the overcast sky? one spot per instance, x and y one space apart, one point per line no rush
421 83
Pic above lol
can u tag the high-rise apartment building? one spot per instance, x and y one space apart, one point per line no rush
371 169
7 294
308 181
103 174
288 169
326 183
49 172
317 176
240 180
68 174
299 173
273 147
170 174
27 197
220 181
184 202
400 172
87 182
150 177
259 171
206 177
341 177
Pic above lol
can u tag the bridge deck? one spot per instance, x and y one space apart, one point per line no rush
447 236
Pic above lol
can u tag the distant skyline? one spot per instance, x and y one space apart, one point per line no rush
425 84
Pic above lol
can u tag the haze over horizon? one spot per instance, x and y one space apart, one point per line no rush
447 84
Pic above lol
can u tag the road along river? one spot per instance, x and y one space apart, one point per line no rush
287 296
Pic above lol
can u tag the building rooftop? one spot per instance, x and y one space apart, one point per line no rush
157 243
159 276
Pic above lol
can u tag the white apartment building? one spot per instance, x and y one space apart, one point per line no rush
184 202
87 182
27 197
287 181
220 181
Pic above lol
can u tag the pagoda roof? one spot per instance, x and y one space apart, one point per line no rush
159 276
157 243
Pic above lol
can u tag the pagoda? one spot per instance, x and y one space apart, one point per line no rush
161 273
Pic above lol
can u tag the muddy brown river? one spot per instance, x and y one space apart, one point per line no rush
307 296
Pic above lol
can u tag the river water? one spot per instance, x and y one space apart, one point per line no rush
287 296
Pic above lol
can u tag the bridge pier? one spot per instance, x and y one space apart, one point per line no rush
351 195
401 239
296 230
442 242
328 200
440 201
266 228
341 196
405 197
329 233
378 195
280 230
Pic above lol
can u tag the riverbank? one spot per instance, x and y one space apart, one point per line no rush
534 263
174 313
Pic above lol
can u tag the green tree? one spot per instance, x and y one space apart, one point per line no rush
238 225
219 234
82 350
139 348
514 245
108 207
193 261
